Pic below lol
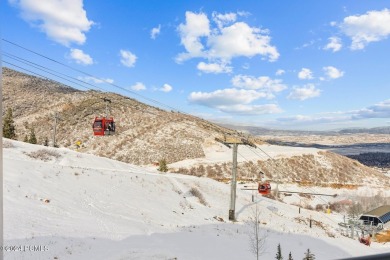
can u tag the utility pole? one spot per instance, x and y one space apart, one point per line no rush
235 141
56 117
108 101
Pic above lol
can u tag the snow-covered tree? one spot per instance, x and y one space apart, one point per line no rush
279 253
309 255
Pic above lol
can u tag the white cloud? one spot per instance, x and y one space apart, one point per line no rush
224 19
64 22
241 40
155 32
380 110
80 57
280 72
196 26
251 109
264 83
166 88
215 68
224 42
306 92
225 97
312 119
96 80
305 74
235 101
334 44
128 59
332 72
370 27
138 86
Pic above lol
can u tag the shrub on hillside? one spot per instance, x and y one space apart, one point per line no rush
163 165
44 155
195 192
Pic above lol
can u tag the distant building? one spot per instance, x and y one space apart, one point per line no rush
380 215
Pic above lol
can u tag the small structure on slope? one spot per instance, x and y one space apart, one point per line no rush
379 216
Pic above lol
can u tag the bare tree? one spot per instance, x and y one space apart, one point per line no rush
257 237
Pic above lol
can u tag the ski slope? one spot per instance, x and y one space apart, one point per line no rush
80 206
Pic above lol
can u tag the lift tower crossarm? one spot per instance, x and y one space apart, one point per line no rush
234 141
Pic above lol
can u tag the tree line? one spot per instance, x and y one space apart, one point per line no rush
378 159
9 130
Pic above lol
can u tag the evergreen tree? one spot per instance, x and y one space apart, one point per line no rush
46 143
32 139
279 253
9 126
290 257
163 166
309 255
25 139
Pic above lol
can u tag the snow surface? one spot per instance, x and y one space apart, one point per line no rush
219 153
80 206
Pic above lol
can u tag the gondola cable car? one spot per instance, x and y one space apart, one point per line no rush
264 188
104 125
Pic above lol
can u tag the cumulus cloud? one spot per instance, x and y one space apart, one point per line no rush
279 72
380 110
259 83
96 80
251 109
223 19
306 92
80 57
229 39
225 97
128 59
196 26
64 22
138 86
239 99
155 32
215 68
240 39
166 88
334 44
305 74
236 101
312 119
363 29
332 72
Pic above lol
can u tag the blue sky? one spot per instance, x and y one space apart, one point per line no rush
315 65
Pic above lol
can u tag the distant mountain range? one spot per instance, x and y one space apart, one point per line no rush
257 130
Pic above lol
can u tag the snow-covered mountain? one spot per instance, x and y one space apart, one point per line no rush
80 206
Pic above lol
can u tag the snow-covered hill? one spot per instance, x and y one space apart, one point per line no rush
80 206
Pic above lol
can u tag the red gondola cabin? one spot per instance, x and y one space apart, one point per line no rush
264 188
103 126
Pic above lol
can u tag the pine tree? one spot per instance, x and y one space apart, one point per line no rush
25 139
309 255
290 257
8 125
32 139
46 143
163 166
279 253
